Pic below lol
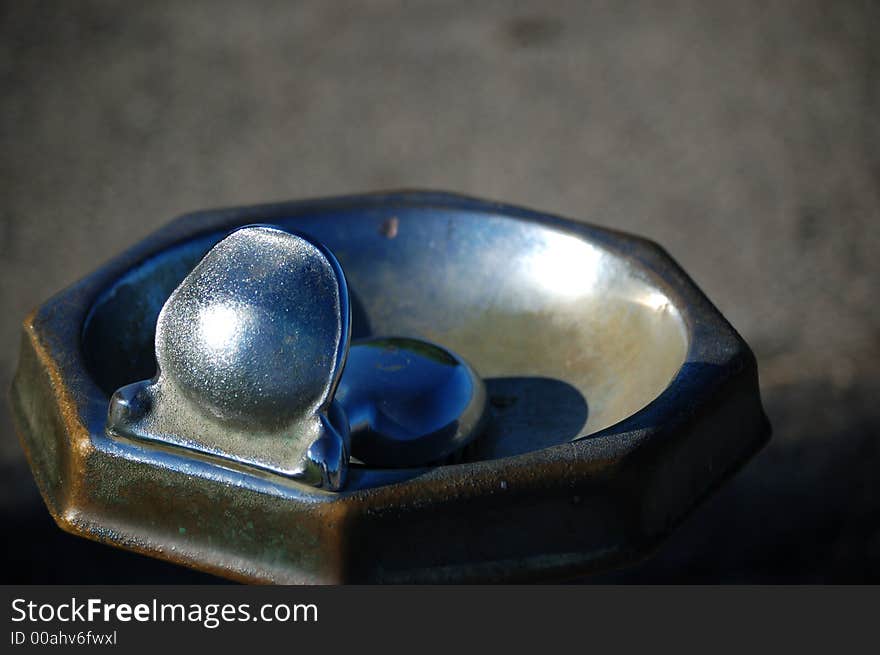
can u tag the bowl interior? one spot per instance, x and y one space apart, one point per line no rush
569 336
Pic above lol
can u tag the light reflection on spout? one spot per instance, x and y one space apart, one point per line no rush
219 326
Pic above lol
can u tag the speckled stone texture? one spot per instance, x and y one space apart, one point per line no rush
743 137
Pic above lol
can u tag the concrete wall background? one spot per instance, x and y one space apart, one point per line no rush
742 136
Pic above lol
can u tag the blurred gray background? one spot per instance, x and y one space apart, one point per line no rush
742 136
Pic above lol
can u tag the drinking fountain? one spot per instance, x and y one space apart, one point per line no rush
393 388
